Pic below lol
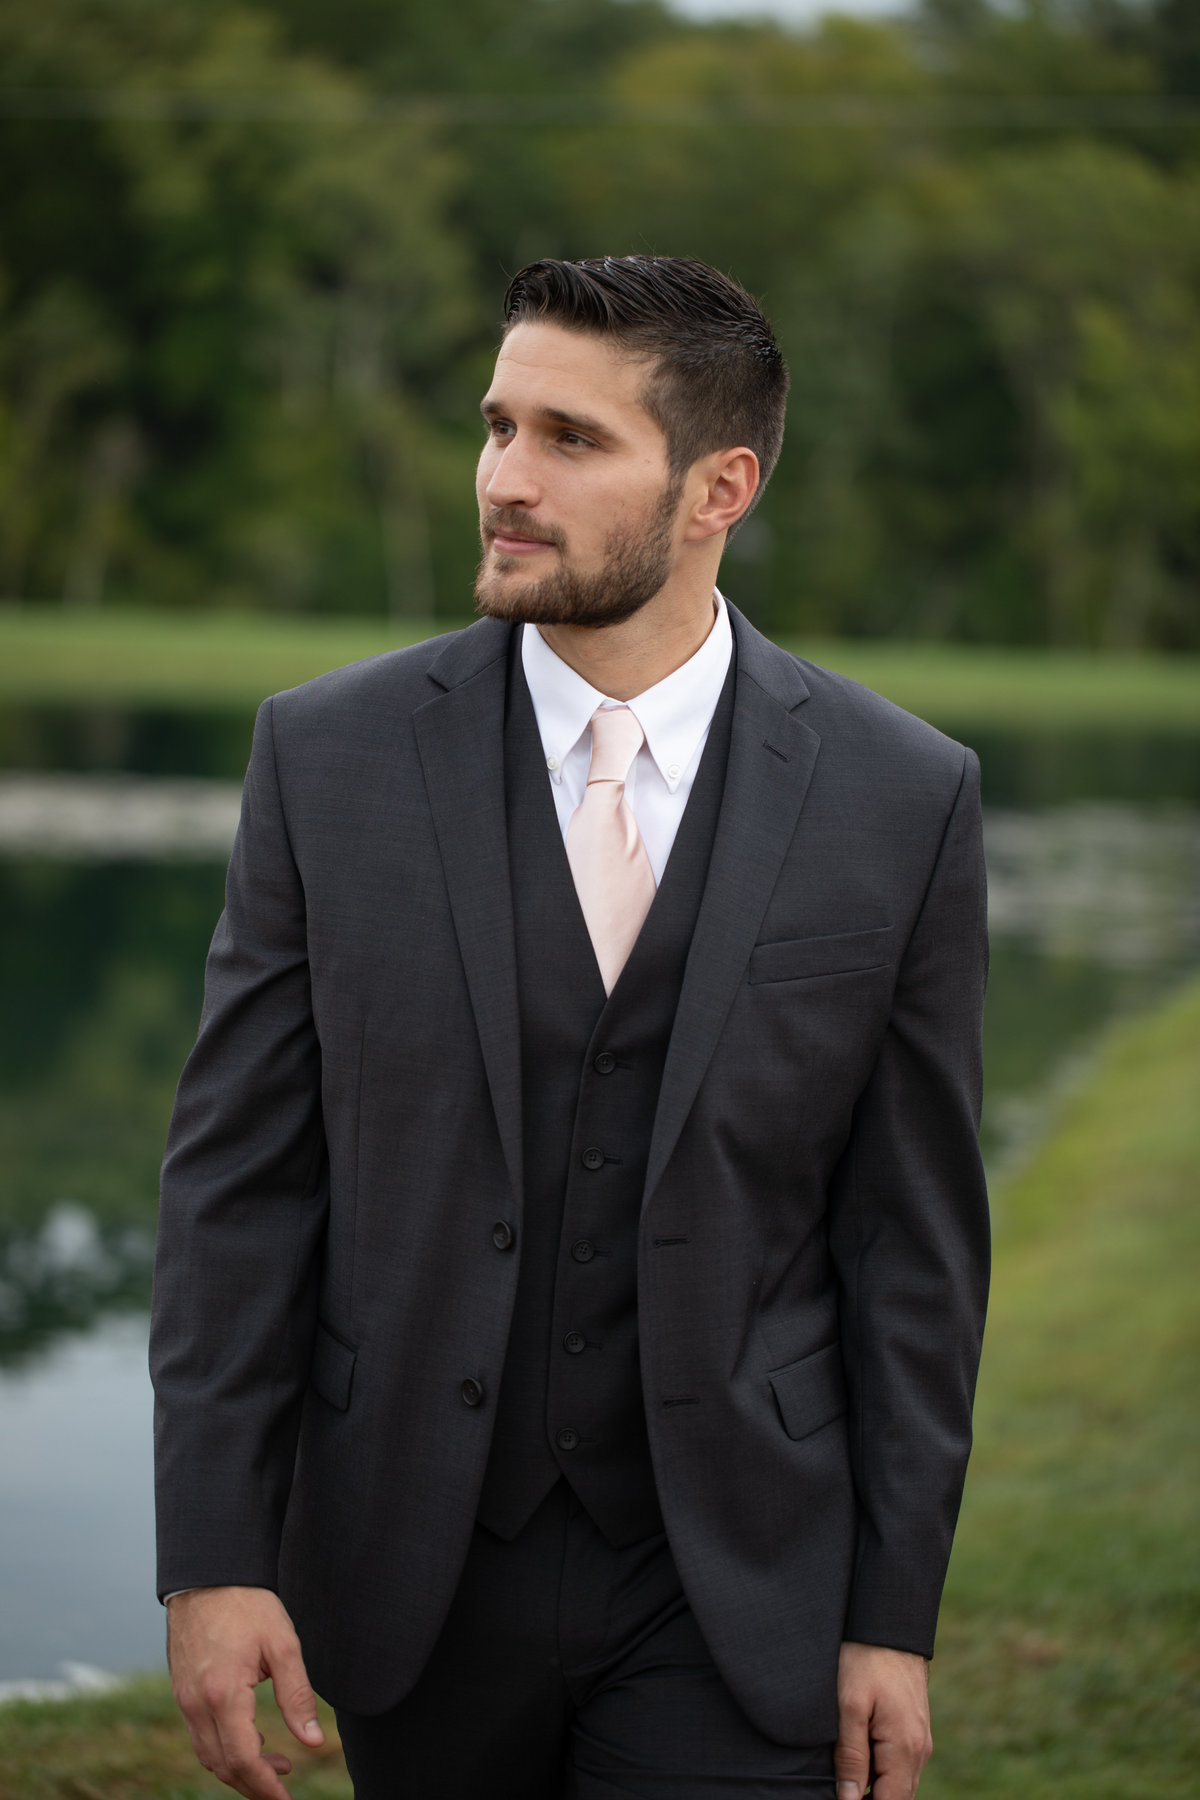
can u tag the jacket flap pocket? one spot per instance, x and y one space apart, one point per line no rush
811 1392
838 954
332 1368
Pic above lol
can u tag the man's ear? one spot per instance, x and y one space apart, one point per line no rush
722 486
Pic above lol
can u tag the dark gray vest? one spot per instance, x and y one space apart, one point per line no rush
570 1401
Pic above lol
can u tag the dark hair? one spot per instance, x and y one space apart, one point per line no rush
718 378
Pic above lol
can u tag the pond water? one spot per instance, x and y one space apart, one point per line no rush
113 828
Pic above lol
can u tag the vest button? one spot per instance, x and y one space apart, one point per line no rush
471 1391
574 1342
502 1235
583 1251
593 1158
567 1439
605 1063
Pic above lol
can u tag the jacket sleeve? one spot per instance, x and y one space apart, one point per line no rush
241 1221
909 1240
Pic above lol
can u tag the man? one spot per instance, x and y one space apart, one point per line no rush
573 1242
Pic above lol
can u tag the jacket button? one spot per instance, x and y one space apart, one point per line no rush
502 1235
605 1063
593 1158
567 1439
471 1391
574 1342
583 1251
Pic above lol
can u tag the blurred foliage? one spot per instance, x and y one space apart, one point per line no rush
251 258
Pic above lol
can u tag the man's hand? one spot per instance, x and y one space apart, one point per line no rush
883 1714
221 1642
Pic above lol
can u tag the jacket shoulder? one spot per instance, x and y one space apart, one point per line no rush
850 719
396 680
862 721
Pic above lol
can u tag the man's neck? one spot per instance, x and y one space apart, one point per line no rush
624 660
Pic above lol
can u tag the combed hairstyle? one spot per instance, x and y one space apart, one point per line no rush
718 379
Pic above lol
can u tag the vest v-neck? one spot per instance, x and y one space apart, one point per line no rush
690 852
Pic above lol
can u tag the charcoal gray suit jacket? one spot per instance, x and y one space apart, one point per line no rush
331 1302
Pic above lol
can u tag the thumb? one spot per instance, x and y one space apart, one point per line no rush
295 1698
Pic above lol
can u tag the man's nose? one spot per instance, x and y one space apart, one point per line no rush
512 480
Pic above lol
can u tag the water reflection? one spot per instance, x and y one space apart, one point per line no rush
107 816
1041 767
136 740
1109 883
76 1499
101 970
1094 912
58 1277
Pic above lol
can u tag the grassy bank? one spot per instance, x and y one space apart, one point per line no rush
1066 1665
49 656
132 1745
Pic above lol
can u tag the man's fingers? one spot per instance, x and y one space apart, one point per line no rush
228 1744
852 1754
899 1761
202 1730
294 1696
221 1643
900 1743
244 1766
883 1713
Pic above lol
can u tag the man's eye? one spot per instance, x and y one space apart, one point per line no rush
573 437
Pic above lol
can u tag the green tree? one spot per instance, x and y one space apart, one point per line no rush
1084 262
249 299
249 336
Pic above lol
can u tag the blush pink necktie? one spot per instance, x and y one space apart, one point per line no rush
612 872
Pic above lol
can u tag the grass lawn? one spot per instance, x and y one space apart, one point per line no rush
132 1745
50 656
1067 1666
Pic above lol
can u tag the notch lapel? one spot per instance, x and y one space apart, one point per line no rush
771 760
460 738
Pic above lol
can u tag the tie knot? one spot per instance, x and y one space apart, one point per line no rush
616 739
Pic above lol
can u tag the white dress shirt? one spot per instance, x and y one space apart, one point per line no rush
675 715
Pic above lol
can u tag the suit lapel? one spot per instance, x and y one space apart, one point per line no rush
460 737
771 760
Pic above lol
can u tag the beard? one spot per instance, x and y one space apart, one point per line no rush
637 562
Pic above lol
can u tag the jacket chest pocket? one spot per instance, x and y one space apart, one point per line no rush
840 953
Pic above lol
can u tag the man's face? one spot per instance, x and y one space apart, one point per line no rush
577 510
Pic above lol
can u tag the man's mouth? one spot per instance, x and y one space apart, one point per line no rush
509 544
506 533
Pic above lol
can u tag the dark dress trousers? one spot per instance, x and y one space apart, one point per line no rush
345 1196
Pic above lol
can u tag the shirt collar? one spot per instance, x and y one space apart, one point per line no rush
674 714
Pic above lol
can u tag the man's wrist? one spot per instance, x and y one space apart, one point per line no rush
176 1592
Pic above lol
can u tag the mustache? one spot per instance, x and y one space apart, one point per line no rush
510 520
